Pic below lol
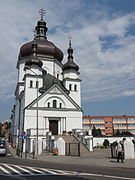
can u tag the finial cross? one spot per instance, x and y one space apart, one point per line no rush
69 37
42 13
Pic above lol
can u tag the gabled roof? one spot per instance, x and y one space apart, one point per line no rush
47 91
49 81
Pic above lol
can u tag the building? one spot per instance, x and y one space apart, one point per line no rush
48 93
109 125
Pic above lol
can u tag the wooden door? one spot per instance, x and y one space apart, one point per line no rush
53 126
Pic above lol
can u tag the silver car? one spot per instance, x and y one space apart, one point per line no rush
3 150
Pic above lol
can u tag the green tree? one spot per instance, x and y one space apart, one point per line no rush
106 143
96 132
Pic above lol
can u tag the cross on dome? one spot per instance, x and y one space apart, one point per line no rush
69 37
42 13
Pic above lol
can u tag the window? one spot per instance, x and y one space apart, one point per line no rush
37 84
31 84
54 103
75 87
70 87
48 104
57 76
60 105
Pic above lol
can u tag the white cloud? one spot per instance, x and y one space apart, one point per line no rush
106 74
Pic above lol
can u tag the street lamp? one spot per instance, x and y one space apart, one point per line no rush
37 86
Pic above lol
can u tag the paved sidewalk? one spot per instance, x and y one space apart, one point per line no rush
100 157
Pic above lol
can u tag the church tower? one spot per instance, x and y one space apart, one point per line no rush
71 76
48 93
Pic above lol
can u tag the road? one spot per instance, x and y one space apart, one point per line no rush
24 169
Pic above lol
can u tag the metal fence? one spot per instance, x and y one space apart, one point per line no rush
72 149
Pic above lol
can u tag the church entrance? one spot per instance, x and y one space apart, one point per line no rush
53 126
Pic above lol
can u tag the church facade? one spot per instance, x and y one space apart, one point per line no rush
48 92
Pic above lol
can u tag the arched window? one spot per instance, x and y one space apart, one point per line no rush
60 105
54 103
70 87
48 104
75 87
57 76
31 84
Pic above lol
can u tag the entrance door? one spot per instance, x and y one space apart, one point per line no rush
53 126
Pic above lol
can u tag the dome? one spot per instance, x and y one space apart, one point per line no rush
70 65
33 60
45 48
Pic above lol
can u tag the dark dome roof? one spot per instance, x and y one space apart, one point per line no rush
70 65
45 49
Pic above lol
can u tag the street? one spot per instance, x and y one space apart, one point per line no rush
15 168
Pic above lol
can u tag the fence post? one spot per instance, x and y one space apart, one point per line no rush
69 149
78 149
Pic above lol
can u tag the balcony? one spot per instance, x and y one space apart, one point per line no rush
33 132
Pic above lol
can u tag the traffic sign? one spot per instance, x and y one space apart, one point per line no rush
23 137
23 133
20 137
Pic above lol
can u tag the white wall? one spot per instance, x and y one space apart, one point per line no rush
98 141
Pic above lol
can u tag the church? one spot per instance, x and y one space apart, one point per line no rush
48 92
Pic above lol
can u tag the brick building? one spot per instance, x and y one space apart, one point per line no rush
110 124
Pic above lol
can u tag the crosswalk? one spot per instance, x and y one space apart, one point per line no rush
18 170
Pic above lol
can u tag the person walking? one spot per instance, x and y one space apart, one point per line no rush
120 152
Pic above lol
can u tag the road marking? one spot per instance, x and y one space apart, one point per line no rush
9 154
48 170
33 169
44 171
107 176
16 171
4 170
25 170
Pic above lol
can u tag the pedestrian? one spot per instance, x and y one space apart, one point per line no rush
120 152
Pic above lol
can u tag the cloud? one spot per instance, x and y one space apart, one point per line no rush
103 44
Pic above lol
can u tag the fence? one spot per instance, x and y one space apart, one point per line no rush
72 149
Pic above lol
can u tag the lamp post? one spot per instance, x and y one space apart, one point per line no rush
37 86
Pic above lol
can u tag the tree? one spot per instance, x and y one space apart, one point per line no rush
96 132
106 143
118 132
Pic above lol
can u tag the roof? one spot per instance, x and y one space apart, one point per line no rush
49 81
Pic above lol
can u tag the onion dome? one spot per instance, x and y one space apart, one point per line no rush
70 65
45 48
34 60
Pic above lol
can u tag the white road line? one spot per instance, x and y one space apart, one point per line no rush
4 170
64 172
48 170
55 172
14 170
108 176
35 170
25 170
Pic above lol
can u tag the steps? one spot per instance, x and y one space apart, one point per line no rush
83 150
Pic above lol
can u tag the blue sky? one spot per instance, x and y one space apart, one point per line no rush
103 34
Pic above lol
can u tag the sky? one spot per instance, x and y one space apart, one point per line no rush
103 39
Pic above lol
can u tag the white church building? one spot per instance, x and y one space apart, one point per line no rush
48 92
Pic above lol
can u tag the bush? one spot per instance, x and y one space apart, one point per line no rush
106 143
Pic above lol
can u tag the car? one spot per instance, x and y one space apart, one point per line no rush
3 150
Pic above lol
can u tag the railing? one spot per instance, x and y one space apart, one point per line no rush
33 132
85 137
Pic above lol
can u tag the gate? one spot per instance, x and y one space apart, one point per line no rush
72 149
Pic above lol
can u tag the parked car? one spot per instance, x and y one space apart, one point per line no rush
3 150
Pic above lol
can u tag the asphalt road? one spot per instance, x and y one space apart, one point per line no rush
11 168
